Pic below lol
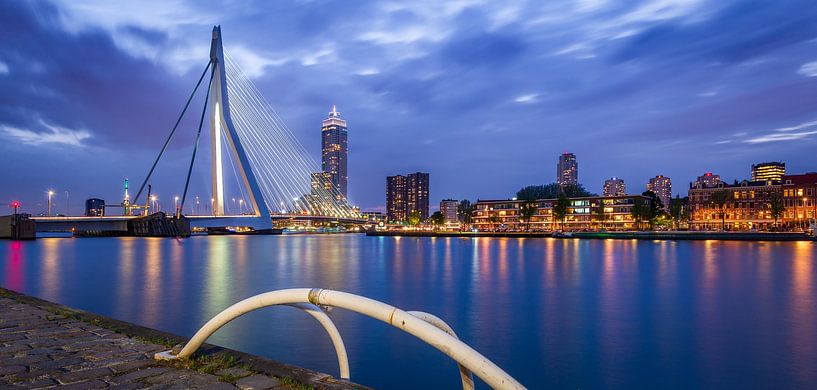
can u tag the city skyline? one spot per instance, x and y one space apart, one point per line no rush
738 101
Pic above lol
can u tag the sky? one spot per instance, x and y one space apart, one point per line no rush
483 95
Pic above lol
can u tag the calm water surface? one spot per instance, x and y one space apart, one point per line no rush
553 313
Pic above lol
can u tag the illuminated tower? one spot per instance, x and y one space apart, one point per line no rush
567 170
334 150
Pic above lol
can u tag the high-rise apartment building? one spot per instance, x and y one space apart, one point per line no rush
614 187
662 187
707 180
334 150
768 171
396 198
567 170
448 207
405 195
417 194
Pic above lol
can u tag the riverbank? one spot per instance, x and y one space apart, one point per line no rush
675 235
399 233
45 344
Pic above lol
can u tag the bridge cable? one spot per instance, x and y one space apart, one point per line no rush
196 146
169 137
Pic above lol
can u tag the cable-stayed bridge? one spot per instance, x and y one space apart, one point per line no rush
277 175
249 140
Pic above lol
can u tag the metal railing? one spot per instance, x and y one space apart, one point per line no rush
424 326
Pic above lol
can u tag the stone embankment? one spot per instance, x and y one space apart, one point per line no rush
43 345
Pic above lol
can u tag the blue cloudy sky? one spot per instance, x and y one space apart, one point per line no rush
484 95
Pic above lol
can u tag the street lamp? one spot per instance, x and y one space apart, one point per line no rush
15 205
241 206
233 204
176 203
67 204
197 205
152 203
50 194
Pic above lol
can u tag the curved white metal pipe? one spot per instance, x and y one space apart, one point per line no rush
213 325
334 335
449 345
466 375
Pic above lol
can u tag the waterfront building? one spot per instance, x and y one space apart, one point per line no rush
567 170
94 207
768 171
407 194
417 187
592 213
749 204
662 187
800 199
396 198
334 151
707 180
614 187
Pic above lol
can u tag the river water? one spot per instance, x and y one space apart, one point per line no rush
552 313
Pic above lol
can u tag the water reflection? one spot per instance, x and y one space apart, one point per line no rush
554 313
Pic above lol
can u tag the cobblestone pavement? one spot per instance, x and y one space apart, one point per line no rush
41 349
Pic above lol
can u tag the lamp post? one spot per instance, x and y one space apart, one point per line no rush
197 205
176 204
67 204
50 194
241 206
15 205
805 223
233 204
152 203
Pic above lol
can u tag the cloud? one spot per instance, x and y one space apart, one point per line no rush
4 69
808 69
53 135
786 134
527 98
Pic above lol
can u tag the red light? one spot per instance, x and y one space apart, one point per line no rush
15 204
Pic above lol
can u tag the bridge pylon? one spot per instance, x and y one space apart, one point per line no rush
221 123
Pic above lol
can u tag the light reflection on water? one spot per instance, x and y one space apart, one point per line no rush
554 313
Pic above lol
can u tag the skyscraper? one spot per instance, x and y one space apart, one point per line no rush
405 195
662 187
417 194
334 150
396 198
768 171
567 170
614 187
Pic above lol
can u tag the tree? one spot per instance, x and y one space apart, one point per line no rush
546 191
414 218
719 199
466 211
601 216
678 210
552 191
654 209
776 207
526 211
638 211
576 191
437 218
493 219
560 209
